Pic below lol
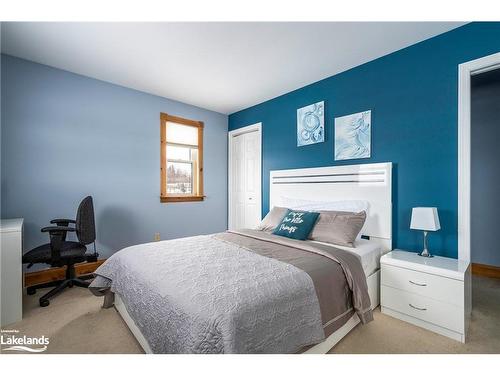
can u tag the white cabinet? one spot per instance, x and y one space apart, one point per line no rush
11 277
433 293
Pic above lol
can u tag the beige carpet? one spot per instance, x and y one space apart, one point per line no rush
389 335
75 323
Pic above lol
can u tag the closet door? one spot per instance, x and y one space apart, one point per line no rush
245 179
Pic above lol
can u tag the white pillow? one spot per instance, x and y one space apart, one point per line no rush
310 205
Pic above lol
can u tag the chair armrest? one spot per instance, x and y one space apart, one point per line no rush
57 237
58 229
62 221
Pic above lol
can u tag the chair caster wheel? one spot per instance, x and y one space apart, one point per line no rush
44 302
70 285
31 291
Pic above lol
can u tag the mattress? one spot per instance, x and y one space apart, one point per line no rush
368 251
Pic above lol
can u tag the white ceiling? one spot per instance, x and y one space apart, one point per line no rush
224 67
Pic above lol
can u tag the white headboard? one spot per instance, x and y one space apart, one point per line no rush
369 182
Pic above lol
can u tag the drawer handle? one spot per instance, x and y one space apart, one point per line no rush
418 284
417 308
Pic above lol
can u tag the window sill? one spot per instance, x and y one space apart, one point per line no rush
188 198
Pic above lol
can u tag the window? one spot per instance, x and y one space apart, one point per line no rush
181 153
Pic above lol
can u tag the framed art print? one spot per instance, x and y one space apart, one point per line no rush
353 136
311 124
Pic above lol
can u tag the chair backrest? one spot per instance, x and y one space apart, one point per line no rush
85 224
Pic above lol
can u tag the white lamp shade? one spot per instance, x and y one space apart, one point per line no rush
425 218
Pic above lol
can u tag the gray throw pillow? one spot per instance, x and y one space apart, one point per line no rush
338 227
272 219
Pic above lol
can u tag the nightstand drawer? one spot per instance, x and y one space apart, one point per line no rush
438 288
423 308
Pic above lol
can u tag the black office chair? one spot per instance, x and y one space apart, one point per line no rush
60 252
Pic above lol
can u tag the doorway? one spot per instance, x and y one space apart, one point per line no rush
478 160
485 172
465 73
245 177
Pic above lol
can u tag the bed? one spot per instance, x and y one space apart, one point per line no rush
223 293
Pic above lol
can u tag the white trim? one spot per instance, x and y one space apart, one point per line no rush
234 133
465 71
246 129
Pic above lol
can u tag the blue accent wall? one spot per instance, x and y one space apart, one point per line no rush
65 136
413 97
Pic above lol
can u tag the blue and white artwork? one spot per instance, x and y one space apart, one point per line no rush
311 124
353 136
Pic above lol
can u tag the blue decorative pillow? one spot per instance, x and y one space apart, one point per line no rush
297 224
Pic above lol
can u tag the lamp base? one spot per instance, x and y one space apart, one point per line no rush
425 253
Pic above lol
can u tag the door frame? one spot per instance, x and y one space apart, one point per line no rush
465 71
231 135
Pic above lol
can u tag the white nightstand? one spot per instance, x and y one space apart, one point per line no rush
433 293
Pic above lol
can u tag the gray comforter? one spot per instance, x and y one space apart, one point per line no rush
238 292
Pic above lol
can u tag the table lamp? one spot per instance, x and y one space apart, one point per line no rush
425 219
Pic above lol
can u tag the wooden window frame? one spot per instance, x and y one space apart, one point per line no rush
164 197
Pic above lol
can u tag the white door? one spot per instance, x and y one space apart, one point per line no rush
245 178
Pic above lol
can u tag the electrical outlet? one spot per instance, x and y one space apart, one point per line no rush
157 236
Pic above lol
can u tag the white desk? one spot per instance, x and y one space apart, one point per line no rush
11 276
